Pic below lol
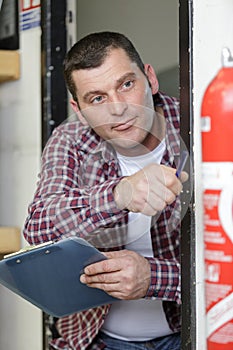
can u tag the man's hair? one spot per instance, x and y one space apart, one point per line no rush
92 50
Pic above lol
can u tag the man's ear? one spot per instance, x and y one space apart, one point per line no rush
75 107
152 78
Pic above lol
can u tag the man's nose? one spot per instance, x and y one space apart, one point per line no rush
117 106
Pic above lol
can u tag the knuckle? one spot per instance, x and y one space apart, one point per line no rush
170 198
170 180
128 288
102 278
160 205
104 286
129 260
105 265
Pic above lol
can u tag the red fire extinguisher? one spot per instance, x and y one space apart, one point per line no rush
217 170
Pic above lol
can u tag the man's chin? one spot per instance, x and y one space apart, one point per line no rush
122 143
128 147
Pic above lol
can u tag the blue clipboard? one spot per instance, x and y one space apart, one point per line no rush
48 276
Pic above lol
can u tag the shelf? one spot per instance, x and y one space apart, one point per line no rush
9 240
9 65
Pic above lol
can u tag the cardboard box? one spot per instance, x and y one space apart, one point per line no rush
9 65
10 239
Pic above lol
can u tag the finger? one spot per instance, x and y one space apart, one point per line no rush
100 279
114 290
117 289
116 254
160 196
148 210
156 203
94 283
104 266
170 180
183 176
106 278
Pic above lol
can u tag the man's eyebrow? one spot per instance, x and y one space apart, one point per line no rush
129 75
91 93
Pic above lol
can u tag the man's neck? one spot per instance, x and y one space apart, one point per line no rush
153 139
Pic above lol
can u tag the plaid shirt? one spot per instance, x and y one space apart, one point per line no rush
75 197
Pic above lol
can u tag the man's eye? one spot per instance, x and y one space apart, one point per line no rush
97 99
128 84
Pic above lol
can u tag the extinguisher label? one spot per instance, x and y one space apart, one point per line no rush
205 124
219 315
218 236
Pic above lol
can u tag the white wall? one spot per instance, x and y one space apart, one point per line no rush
212 30
20 145
151 24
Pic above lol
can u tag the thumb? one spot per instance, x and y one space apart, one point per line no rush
183 176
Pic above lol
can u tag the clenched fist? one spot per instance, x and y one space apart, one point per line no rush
149 190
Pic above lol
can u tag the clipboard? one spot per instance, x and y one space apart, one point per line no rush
48 276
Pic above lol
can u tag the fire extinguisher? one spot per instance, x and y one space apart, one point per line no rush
217 175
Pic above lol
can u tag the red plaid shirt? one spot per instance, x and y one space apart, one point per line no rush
75 197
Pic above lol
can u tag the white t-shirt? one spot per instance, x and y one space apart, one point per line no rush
143 319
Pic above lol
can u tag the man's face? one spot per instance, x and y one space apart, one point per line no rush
115 99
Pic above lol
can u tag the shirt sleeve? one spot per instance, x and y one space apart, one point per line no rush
61 206
165 280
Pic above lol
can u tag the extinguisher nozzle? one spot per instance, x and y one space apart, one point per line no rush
227 59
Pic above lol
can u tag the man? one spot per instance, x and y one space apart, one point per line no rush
110 178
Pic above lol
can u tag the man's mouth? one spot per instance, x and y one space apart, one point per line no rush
124 126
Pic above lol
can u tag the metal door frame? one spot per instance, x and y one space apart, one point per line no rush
188 270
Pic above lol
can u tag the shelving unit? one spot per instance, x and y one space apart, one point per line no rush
9 65
9 240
